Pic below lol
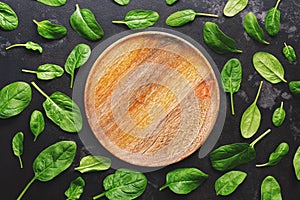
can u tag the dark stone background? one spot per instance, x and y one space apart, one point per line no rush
14 179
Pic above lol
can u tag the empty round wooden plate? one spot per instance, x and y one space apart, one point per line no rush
151 98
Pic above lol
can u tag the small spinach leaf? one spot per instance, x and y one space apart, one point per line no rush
229 182
122 2
8 18
296 163
139 19
253 29
294 87
53 3
47 71
278 116
17 146
184 180
93 163
171 2
48 30
37 123
270 189
272 20
75 189
233 7
215 39
277 155
289 53
28 45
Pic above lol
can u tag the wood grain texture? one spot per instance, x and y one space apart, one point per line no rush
151 99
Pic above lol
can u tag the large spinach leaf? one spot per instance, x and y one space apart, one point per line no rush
270 189
48 30
75 189
17 146
296 163
272 20
93 163
233 7
37 123
229 182
46 71
122 2
54 3
8 18
253 29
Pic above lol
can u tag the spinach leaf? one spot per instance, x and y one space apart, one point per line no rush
233 7
182 17
184 180
14 98
251 118
75 189
228 183
53 3
139 19
269 67
272 20
294 87
270 189
215 39
253 29
47 71
37 123
78 56
51 162
296 163
84 23
122 2
171 2
123 184
277 155
48 30
229 156
93 163
17 146
8 18
278 116
231 77
28 45
62 111
289 53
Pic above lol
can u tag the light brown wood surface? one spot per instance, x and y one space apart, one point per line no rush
151 99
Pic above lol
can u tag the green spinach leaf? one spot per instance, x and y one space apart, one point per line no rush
122 2
8 18
93 163
253 29
139 19
270 189
75 189
277 155
48 30
269 67
171 2
289 53
62 111
229 182
182 17
296 163
51 162
17 146
28 45
251 118
14 98
53 3
231 77
184 180
294 87
78 57
233 7
47 71
215 39
84 23
278 116
37 123
123 184
272 20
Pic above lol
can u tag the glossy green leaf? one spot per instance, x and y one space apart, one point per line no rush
251 118
277 155
215 39
8 18
269 67
122 2
47 71
17 146
139 19
123 184
48 30
294 87
272 20
77 57
53 3
37 123
270 189
93 163
289 53
28 45
84 23
14 98
233 7
75 189
171 2
231 77
253 29
278 116
184 180
182 17
62 111
296 163
51 162
229 182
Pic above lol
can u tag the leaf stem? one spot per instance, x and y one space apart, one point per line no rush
232 103
163 187
29 71
39 89
277 4
15 45
72 81
237 51
260 137
265 42
258 92
99 196
118 22
21 163
263 165
26 188
206 15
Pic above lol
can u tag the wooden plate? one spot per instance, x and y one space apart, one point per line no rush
151 98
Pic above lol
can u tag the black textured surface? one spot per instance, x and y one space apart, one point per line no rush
14 179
